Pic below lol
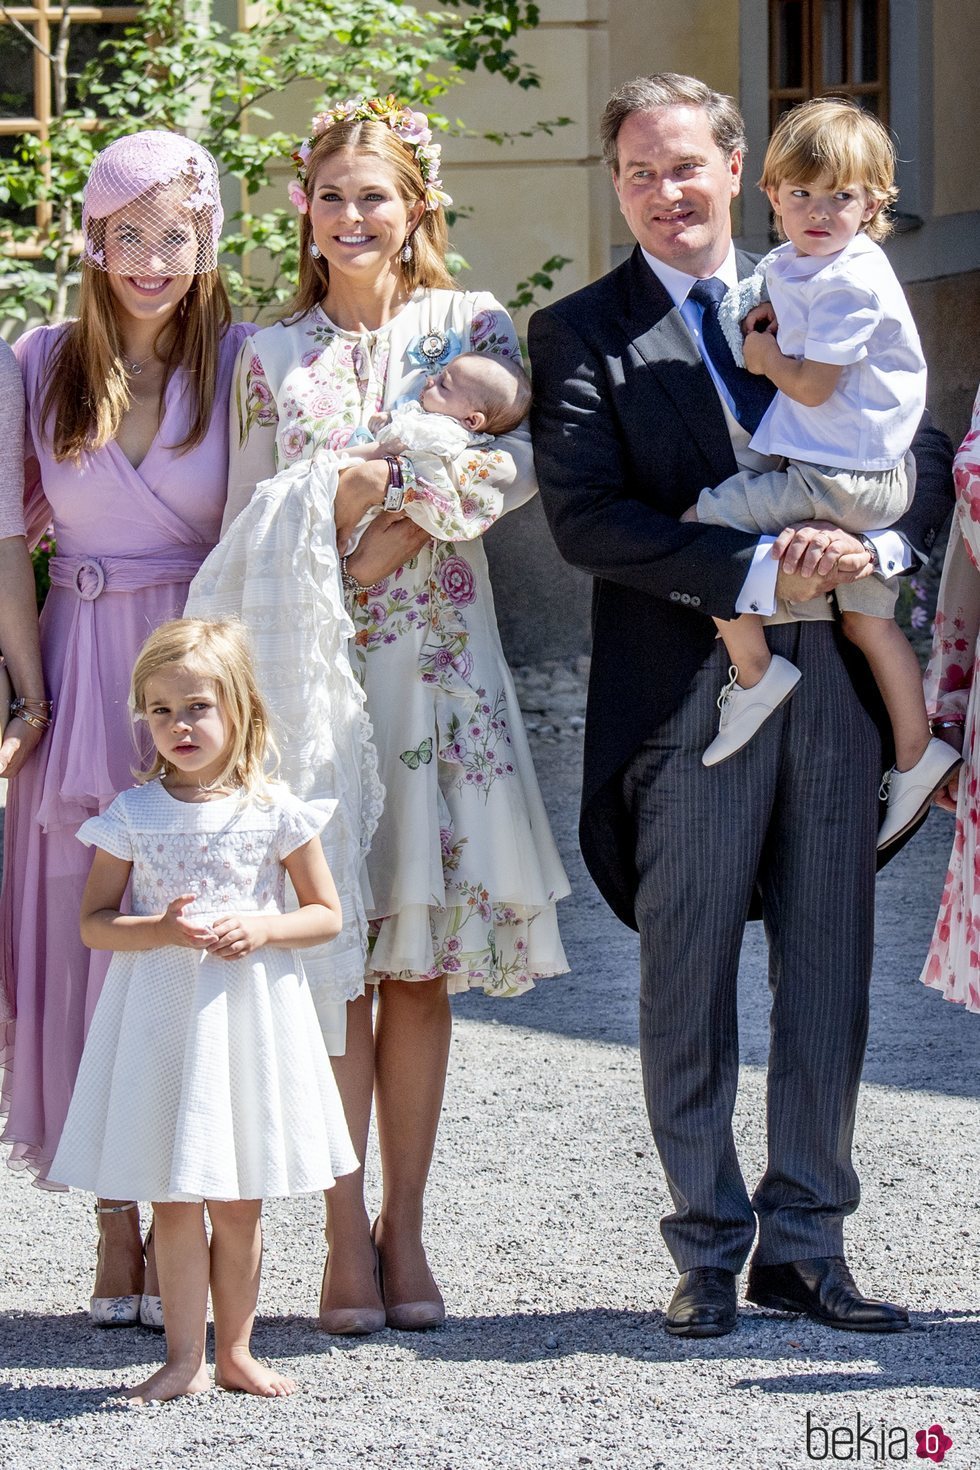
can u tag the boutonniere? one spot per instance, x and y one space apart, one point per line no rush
434 349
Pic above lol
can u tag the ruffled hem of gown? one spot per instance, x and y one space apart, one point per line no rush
499 948
22 1158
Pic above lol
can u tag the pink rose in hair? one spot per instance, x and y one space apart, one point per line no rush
412 127
297 196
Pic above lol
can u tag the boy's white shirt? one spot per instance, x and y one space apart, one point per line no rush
758 593
850 311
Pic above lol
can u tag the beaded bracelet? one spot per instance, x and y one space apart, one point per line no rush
349 581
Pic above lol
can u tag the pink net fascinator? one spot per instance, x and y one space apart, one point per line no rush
151 207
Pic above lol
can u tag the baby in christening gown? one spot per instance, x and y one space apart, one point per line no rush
469 401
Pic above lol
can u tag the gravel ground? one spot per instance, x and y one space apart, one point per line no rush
543 1214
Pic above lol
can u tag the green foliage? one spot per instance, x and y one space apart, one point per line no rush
40 556
539 280
179 68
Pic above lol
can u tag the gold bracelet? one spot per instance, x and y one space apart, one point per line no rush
36 722
24 701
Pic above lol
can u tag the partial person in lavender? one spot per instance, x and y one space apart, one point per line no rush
126 453
462 873
24 707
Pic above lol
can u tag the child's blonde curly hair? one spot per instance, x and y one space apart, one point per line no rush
832 138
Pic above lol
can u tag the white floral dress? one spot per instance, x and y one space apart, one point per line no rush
952 691
463 873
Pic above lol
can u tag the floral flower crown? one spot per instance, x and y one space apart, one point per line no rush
411 128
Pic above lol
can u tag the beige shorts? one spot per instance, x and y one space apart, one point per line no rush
855 500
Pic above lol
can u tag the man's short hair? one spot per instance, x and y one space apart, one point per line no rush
671 89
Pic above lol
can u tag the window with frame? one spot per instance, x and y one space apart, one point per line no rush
29 38
820 48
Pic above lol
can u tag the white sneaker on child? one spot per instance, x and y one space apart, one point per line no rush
910 792
744 711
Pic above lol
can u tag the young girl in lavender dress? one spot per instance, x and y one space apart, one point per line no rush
126 453
205 1080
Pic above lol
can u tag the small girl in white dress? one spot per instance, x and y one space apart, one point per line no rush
204 1079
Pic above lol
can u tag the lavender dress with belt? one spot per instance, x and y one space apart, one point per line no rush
129 542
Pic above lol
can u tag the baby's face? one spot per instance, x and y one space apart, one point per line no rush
455 390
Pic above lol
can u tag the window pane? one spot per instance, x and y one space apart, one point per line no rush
864 40
17 73
790 54
832 51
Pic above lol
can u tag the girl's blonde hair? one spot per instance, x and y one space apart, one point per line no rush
218 651
429 239
87 389
831 137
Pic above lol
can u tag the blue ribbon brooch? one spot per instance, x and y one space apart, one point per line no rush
434 349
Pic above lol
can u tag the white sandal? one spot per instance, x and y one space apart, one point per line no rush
114 1311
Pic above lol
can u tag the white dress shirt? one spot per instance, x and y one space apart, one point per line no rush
758 594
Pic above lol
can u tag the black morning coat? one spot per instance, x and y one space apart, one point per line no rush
627 421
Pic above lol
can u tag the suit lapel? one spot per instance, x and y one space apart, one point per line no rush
661 339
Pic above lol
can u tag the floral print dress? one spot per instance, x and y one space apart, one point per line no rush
463 873
953 693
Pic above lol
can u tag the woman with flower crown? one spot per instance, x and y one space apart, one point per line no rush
126 453
462 875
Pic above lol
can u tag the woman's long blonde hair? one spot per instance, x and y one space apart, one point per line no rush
219 652
429 239
87 389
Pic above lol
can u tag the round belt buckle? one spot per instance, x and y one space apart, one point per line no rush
89 580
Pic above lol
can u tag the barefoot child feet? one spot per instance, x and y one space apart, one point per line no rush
176 1099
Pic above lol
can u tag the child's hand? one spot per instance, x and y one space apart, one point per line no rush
238 935
759 349
764 314
190 933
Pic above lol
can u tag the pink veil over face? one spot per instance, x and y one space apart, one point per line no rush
151 206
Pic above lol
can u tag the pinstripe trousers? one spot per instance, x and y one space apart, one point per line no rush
796 811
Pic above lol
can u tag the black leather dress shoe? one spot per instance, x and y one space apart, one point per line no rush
703 1304
824 1289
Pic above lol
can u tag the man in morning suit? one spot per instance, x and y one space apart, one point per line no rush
634 413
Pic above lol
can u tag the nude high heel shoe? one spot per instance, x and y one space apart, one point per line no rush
408 1316
353 1321
113 1311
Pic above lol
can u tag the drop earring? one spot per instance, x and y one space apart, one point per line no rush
406 252
315 251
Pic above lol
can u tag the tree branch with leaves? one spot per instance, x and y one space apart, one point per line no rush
177 67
